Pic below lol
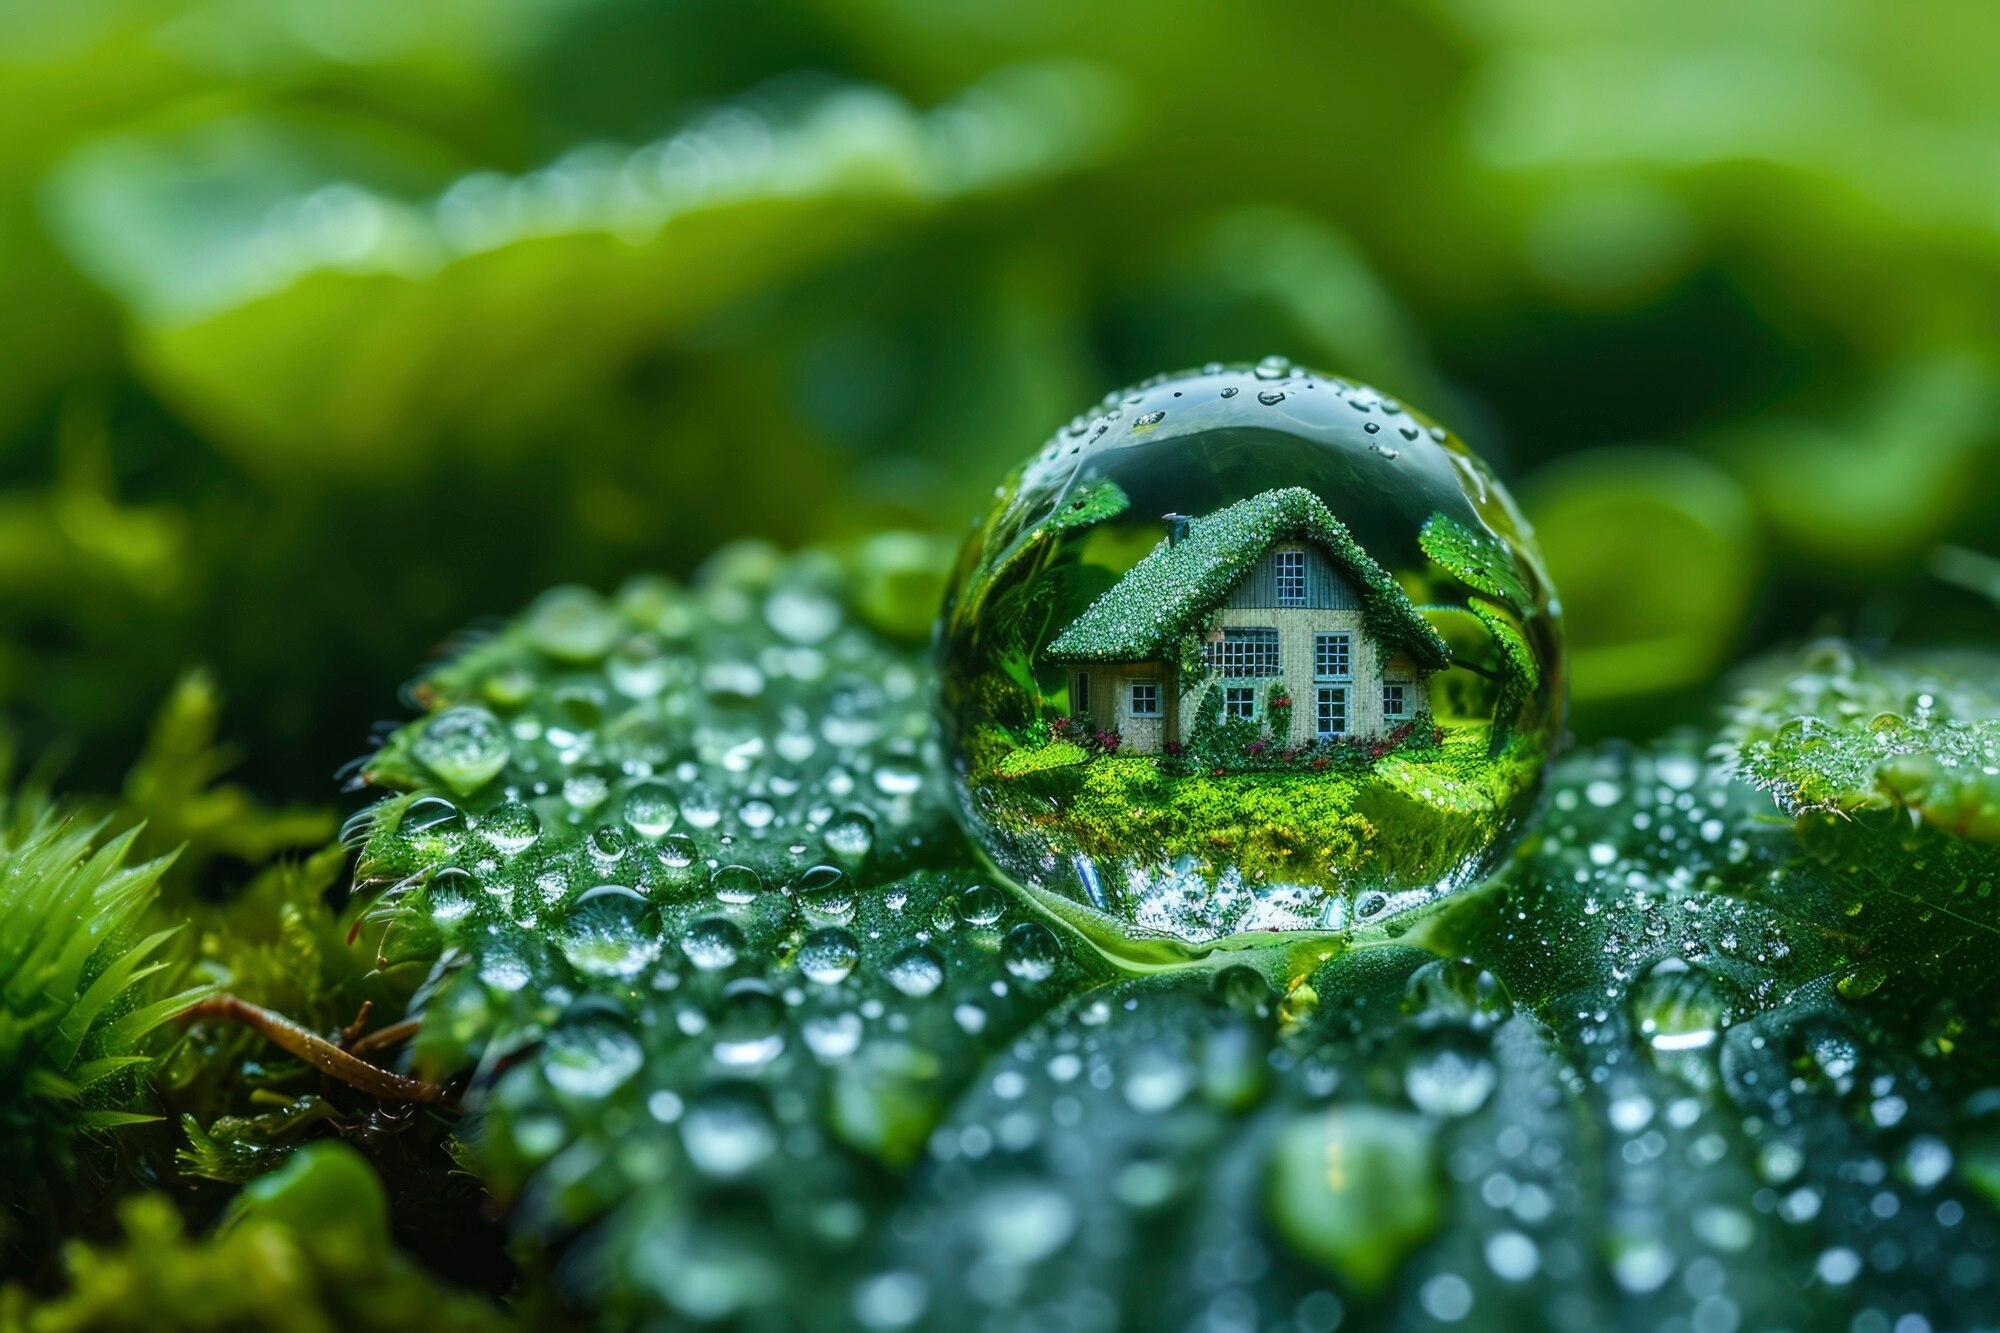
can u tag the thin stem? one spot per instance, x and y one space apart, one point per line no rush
318 1052
381 1037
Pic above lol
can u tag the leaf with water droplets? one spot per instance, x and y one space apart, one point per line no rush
742 1030
1846 735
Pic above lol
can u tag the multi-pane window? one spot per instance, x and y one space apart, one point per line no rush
1239 701
1079 693
1333 656
1291 578
1395 699
1330 714
1145 698
1246 651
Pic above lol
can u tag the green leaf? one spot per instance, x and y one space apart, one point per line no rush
324 293
1657 555
743 1030
306 1247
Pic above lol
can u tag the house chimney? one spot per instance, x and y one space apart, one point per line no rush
1177 527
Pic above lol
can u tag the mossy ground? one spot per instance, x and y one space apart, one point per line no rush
1401 820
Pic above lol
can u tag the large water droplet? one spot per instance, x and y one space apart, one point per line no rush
736 885
712 943
1314 695
750 1031
1450 1076
1031 952
826 892
850 836
983 905
590 1055
829 955
1678 1006
916 972
571 624
650 809
465 746
727 1133
511 826
610 931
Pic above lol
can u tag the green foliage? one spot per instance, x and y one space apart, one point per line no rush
1300 819
1659 554
1278 707
300 480
176 790
1846 735
81 997
1165 595
671 1086
1054 754
304 1248
324 248
1479 560
426 238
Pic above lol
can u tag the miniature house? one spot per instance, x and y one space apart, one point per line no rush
1282 602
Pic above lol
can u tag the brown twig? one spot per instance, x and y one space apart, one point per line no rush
353 1030
318 1052
381 1037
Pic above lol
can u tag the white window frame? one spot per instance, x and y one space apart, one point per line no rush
1079 694
1289 576
1323 642
1132 698
1248 700
1402 688
1247 652
1330 705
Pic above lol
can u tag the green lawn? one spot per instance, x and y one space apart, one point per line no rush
1409 818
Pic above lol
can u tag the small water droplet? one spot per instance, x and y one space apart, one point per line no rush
511 826
916 972
650 810
983 904
736 885
712 943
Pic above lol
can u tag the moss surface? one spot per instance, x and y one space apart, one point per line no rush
1432 805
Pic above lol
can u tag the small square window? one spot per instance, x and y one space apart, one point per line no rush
1333 656
1395 699
1291 570
1239 701
1330 713
1079 694
1145 698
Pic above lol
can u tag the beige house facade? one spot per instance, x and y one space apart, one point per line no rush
1261 645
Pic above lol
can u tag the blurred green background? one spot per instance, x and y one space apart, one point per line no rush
328 329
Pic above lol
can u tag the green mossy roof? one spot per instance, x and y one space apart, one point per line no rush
1167 593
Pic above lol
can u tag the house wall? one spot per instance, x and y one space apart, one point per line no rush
1327 587
1296 627
1111 702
